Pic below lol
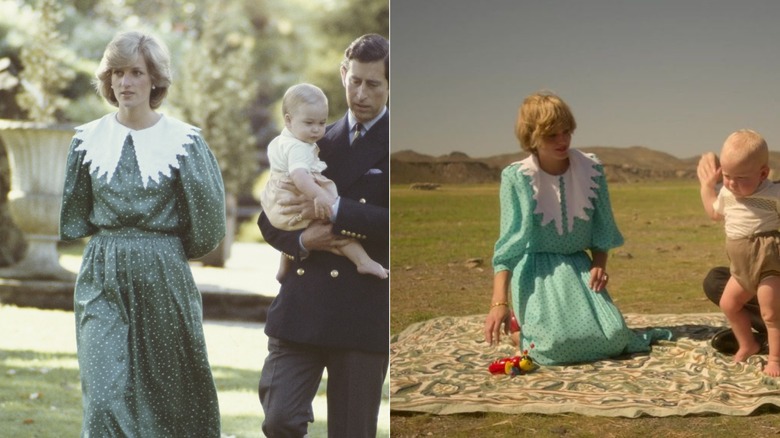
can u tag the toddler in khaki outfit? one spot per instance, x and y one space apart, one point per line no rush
749 203
297 170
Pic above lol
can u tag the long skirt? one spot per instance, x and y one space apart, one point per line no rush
564 321
141 350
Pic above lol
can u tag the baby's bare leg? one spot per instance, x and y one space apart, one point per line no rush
733 305
365 264
769 301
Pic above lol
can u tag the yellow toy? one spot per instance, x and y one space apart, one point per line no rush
513 366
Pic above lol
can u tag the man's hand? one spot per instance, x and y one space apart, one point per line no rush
318 236
296 204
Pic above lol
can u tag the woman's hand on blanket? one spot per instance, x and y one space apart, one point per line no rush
598 278
498 316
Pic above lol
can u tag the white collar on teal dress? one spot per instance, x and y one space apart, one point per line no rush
157 148
580 188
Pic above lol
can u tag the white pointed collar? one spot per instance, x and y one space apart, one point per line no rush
156 148
580 189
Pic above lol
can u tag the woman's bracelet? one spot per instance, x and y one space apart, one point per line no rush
500 303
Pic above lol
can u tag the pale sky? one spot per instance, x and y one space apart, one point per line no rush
673 75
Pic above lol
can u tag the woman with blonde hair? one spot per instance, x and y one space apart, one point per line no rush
550 260
148 191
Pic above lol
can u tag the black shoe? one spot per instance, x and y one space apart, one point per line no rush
725 342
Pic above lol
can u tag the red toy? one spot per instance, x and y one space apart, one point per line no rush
514 326
513 366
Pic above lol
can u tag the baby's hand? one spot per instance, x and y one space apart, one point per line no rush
323 207
708 170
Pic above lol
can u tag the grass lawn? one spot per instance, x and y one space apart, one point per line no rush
40 389
437 238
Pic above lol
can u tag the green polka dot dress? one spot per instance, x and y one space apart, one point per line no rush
150 199
547 224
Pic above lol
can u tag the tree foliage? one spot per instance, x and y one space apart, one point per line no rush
212 94
232 60
44 58
333 32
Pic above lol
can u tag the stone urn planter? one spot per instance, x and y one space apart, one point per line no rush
37 154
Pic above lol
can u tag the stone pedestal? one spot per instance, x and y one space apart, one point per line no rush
37 154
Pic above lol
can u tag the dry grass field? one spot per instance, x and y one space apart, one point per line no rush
442 242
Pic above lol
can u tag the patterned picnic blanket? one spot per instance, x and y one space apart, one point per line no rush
440 366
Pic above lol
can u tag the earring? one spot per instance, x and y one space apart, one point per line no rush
154 87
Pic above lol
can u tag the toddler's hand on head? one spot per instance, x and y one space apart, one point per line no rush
708 170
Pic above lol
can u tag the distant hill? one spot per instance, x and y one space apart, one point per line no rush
630 164
408 167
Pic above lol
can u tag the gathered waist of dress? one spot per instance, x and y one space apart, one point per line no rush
133 232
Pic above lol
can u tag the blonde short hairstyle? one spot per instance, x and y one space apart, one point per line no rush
541 114
300 94
122 52
746 145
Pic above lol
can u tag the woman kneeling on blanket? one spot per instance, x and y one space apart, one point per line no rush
555 206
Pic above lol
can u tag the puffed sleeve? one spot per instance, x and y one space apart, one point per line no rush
76 197
514 230
300 155
606 234
201 200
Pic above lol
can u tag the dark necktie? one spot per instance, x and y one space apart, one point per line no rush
356 135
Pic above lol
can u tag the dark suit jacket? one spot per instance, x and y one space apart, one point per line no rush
323 300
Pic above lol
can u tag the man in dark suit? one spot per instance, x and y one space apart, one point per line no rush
327 315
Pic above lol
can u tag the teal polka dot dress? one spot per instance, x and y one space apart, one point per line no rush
150 200
547 224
